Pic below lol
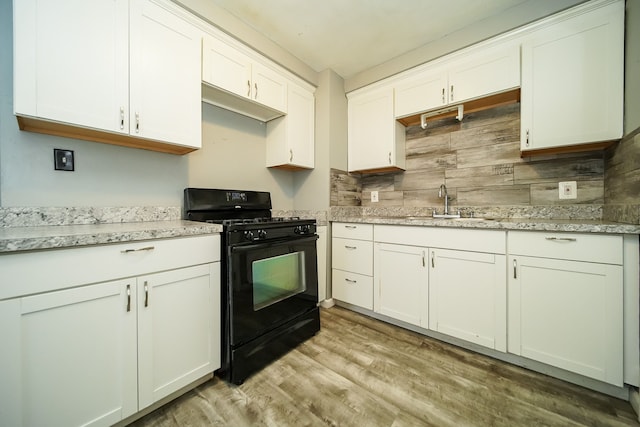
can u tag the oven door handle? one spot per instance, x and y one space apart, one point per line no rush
269 243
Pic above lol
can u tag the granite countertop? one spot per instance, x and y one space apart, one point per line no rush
532 224
14 239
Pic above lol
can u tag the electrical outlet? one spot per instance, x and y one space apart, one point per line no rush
374 197
568 190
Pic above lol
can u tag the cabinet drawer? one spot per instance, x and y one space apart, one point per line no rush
605 249
352 255
352 230
352 288
42 271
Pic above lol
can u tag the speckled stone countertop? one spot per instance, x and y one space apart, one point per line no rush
14 239
560 225
35 228
543 218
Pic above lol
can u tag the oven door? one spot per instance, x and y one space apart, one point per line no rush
270 284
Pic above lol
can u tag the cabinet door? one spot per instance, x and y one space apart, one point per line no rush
421 93
468 296
376 140
71 62
400 283
179 329
226 67
491 71
572 81
567 314
165 76
69 357
269 87
291 138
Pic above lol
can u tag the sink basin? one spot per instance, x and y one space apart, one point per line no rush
473 219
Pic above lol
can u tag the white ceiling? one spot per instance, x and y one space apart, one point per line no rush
350 36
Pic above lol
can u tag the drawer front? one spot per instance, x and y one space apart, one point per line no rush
605 249
48 270
490 241
352 230
352 288
355 256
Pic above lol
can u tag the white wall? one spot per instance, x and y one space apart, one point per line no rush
105 175
313 188
233 156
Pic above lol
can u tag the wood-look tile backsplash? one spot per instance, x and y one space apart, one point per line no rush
479 161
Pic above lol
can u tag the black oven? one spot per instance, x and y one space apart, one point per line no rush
269 278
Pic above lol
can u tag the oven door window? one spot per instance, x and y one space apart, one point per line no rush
278 278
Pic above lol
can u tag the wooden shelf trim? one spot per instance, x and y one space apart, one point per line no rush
32 124
485 103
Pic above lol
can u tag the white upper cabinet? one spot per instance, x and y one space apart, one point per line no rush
486 72
71 62
421 92
105 71
235 81
165 100
290 139
376 140
489 71
572 80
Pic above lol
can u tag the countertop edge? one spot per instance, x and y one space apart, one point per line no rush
513 224
21 239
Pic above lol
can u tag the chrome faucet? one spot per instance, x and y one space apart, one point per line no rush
443 193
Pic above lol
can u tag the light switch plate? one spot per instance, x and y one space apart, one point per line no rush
63 160
374 196
567 190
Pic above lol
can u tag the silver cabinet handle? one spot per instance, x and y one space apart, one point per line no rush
146 248
423 262
515 269
146 294
248 89
527 140
128 298
350 281
443 99
389 157
290 155
561 239
350 226
350 247
255 95
452 92
433 261
121 117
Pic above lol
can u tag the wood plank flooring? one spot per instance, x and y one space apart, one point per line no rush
358 371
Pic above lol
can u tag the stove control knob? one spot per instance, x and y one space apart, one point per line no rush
262 234
248 235
302 229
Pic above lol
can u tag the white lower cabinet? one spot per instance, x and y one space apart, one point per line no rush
568 312
468 296
352 264
401 279
69 357
178 330
96 354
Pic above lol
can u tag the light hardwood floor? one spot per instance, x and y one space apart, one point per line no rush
358 371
